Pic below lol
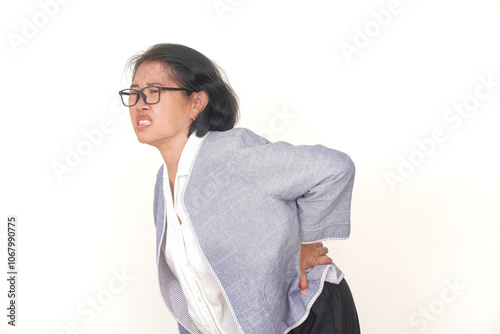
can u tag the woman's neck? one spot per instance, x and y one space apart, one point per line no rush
171 153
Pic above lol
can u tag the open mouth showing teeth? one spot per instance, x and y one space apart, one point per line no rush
144 122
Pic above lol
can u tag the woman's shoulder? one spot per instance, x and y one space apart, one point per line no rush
236 136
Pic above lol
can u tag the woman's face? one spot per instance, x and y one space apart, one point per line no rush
167 121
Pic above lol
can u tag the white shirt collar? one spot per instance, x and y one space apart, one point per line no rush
187 156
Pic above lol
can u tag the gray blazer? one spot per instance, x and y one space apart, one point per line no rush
251 204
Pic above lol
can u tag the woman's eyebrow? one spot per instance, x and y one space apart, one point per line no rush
148 84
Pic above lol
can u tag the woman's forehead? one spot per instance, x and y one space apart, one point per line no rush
152 71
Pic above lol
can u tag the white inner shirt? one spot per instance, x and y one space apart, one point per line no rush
205 300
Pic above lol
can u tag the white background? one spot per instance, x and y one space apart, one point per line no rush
423 254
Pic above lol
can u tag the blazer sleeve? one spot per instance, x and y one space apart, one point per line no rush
317 178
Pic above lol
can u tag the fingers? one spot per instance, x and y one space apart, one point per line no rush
322 251
324 260
314 254
303 286
311 255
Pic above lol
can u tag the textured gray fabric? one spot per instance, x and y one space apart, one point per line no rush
251 204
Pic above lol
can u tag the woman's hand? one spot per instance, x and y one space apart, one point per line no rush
311 255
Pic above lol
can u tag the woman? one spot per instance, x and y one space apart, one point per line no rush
238 219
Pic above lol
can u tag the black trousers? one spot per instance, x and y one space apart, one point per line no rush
333 312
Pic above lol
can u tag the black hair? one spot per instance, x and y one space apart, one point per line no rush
195 72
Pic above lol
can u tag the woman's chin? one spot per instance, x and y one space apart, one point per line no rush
143 139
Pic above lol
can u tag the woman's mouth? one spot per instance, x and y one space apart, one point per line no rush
143 122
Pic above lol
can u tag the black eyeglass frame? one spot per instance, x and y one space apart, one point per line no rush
126 92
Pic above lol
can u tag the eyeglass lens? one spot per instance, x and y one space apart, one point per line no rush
150 95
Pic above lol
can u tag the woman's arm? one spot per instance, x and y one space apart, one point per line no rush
317 178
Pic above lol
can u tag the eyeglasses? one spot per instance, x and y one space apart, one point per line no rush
150 95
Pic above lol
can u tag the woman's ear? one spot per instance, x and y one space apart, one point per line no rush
200 101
